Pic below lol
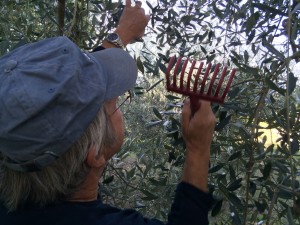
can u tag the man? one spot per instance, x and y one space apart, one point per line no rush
59 125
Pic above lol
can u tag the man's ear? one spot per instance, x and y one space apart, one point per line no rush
95 159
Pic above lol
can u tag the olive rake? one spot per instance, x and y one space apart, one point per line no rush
203 84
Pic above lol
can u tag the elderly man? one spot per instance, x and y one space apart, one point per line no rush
59 125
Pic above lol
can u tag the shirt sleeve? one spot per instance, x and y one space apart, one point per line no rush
190 206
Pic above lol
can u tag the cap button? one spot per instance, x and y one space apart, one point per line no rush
10 65
65 51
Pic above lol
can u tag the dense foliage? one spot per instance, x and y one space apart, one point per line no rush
255 154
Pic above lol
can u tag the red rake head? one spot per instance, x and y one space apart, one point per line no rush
207 86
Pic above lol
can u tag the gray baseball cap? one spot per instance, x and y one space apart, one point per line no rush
50 91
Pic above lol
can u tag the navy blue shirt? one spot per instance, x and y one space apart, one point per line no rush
190 207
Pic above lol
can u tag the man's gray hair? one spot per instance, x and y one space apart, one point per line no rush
60 180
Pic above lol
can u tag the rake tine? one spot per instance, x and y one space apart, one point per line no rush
182 73
197 77
190 75
221 81
176 70
169 70
213 79
205 78
217 68
181 87
229 83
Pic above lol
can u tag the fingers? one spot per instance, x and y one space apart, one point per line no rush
207 113
128 3
138 4
186 116
195 104
197 128
186 111
206 106
203 110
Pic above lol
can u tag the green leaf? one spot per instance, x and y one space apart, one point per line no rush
274 87
252 188
202 37
295 30
233 92
283 168
294 146
250 37
112 6
290 215
211 57
235 216
149 5
161 182
246 57
172 97
217 11
278 120
267 170
149 196
216 168
232 173
210 34
203 49
254 49
261 205
157 113
292 83
154 123
234 185
223 123
236 55
266 8
216 208
4 46
131 173
296 8
272 49
235 155
108 180
186 19
284 192
234 200
140 65
235 43
244 133
252 21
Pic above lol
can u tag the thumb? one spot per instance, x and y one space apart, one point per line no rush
186 112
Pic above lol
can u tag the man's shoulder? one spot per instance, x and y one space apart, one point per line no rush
76 213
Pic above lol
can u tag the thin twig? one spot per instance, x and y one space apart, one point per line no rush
274 199
121 177
287 99
61 17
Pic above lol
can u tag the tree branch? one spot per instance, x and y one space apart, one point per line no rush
61 16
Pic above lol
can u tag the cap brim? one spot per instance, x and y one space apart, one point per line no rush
120 68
